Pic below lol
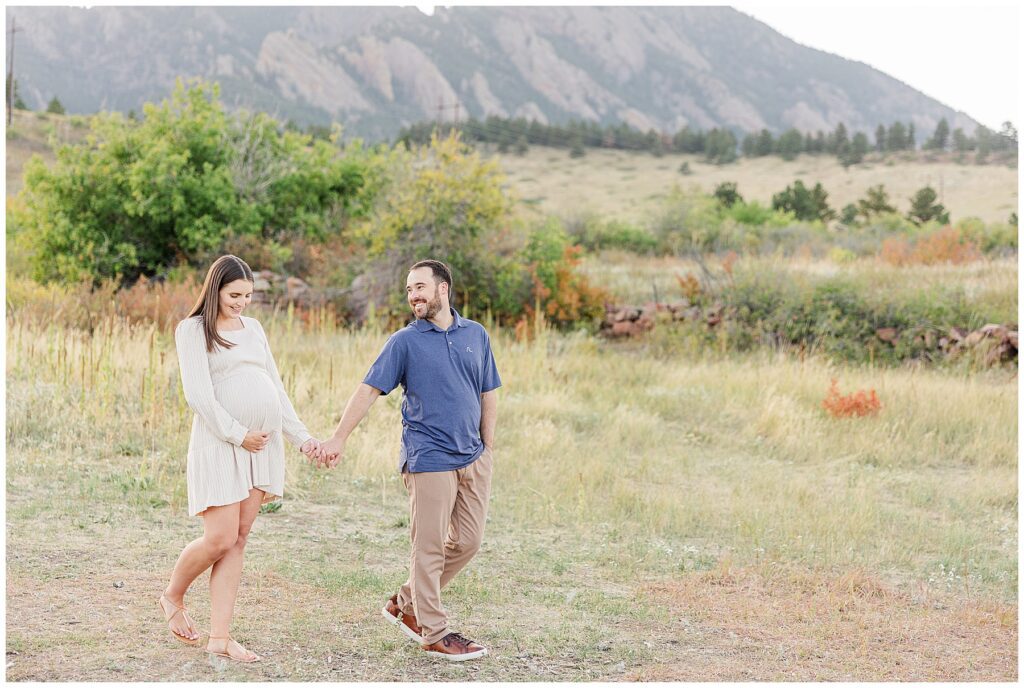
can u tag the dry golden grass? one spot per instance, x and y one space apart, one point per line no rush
626 185
622 477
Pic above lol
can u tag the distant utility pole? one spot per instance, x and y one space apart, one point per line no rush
442 109
10 75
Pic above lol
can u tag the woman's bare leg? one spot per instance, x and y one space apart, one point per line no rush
220 532
225 577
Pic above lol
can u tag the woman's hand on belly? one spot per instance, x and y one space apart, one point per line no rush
255 440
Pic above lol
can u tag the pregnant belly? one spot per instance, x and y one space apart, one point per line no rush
251 399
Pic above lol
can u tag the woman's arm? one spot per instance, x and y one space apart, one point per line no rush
194 366
293 428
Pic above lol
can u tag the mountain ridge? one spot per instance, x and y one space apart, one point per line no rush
378 68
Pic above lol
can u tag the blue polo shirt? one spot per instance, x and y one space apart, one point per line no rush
443 373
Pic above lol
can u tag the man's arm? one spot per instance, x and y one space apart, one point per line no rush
488 417
355 410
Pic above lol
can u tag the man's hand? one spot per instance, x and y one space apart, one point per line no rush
331 452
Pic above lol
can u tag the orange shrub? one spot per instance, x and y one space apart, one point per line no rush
164 303
895 251
860 403
689 285
947 245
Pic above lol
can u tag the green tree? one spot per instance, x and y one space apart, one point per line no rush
961 143
17 103
875 203
897 138
765 144
749 146
54 106
727 195
983 135
855 152
439 200
923 207
838 140
911 140
137 198
720 146
940 139
805 204
848 216
880 142
790 144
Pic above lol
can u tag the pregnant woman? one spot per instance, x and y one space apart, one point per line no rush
236 450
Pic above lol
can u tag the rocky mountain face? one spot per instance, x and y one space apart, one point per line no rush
377 68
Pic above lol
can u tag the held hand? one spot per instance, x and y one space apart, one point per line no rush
331 452
310 448
255 440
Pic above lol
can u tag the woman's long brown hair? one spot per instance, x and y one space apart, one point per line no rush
224 270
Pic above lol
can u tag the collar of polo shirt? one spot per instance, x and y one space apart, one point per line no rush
424 325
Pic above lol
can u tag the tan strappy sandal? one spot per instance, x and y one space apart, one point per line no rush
177 610
229 639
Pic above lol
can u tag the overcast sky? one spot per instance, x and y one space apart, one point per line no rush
964 56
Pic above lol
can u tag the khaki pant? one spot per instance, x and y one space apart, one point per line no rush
447 514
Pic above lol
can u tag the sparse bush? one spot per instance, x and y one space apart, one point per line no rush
854 405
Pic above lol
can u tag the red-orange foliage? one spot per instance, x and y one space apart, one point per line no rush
860 403
163 303
689 285
728 261
947 245
573 298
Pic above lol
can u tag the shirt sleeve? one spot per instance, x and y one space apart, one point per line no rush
389 369
194 366
490 379
293 429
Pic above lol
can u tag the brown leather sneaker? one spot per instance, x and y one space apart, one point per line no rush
406 622
455 648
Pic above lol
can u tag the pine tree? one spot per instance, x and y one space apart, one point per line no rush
896 140
790 144
924 208
55 107
940 138
858 149
876 202
880 138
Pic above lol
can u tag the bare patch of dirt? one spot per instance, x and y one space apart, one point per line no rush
782 624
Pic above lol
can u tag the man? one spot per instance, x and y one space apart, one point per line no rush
444 364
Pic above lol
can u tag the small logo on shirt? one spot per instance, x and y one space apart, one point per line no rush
469 350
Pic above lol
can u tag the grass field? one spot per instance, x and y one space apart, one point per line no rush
628 186
654 517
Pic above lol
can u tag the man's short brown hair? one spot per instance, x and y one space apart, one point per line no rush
441 272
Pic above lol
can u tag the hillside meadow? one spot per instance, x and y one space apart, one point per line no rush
628 186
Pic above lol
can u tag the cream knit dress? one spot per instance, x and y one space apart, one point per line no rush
233 391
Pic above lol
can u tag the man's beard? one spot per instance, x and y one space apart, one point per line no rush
433 308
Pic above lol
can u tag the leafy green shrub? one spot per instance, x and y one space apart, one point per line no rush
840 316
594 234
135 199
